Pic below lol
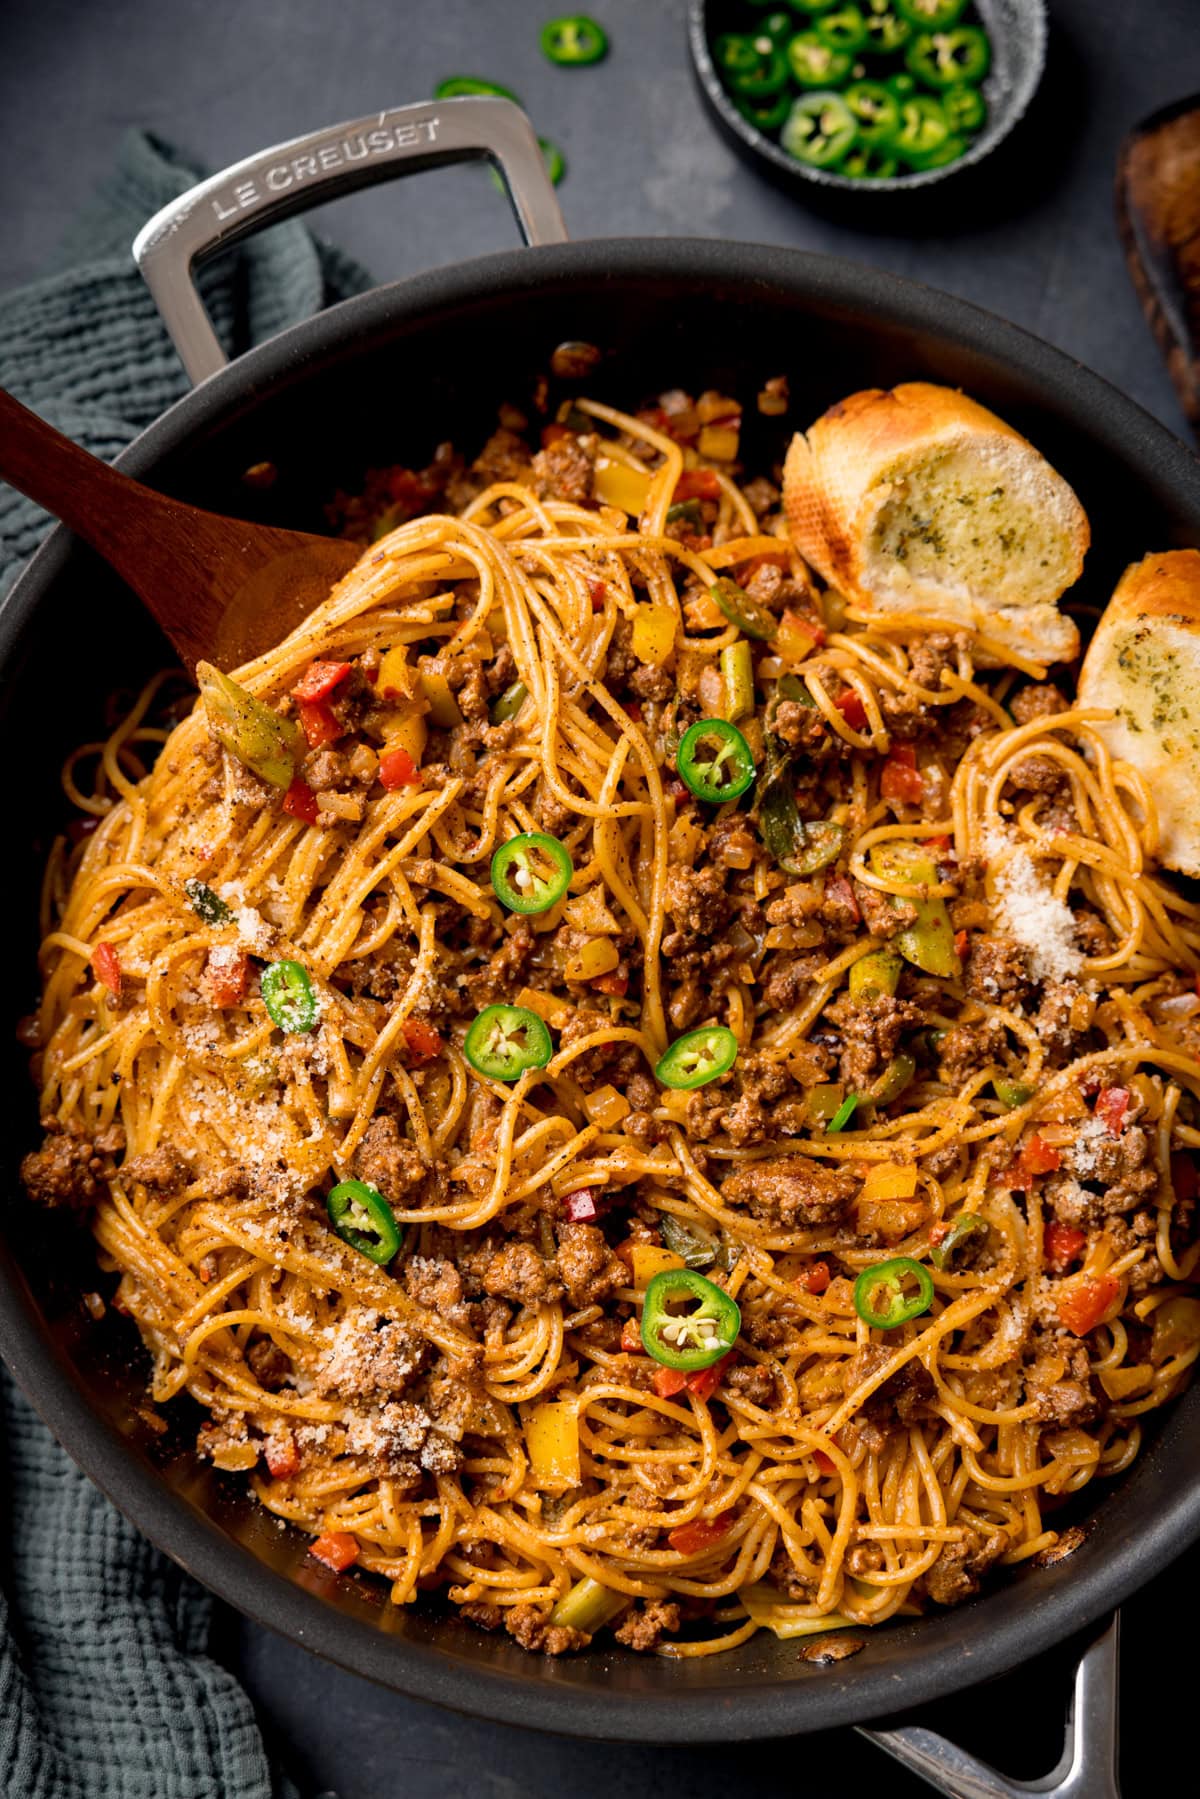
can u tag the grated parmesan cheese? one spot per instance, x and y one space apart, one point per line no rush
1028 910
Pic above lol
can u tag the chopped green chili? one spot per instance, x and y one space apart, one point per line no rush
505 1041
1012 1093
964 1227
891 1083
887 32
289 998
844 29
714 761
965 107
688 1322
588 1606
552 156
943 59
687 512
509 703
816 64
844 1113
876 112
823 1100
922 131
532 872
362 1217
820 129
206 904
743 611
265 743
574 42
869 162
698 1057
697 1248
884 1296
737 680
875 976
929 941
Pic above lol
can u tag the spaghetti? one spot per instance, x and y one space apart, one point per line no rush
966 1028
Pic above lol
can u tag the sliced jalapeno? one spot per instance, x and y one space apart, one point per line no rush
362 1217
964 1227
1012 1093
289 998
698 1057
887 32
767 75
923 130
778 25
743 611
876 112
688 1322
820 129
687 512
574 42
945 58
965 107
530 873
816 64
697 1248
456 87
892 1293
206 904
504 1041
843 29
869 162
930 15
765 115
714 761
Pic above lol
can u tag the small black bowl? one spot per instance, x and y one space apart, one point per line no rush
1017 29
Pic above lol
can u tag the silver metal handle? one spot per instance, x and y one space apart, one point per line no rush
1087 1768
291 177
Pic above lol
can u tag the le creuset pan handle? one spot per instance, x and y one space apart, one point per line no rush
310 170
1087 1768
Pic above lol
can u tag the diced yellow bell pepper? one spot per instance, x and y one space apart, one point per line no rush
719 443
616 484
443 707
606 1107
890 1180
397 679
653 634
1121 1383
796 637
406 731
599 955
547 1005
649 1260
552 1439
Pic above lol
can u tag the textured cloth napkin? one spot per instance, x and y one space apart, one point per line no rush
107 1689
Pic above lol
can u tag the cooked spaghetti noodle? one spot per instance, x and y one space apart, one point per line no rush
479 1415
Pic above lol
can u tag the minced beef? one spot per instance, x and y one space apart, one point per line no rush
519 1273
533 1630
871 1031
587 1267
68 1170
162 1170
387 1160
790 1191
1038 700
699 905
959 1569
270 1365
997 970
644 1629
966 1048
564 469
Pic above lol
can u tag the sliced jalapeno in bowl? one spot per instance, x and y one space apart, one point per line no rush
532 872
688 1322
505 1041
714 761
816 64
930 15
923 130
893 1293
698 1057
820 129
945 58
844 29
886 31
965 107
876 112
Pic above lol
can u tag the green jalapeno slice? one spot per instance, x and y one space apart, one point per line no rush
845 29
742 611
698 1057
457 87
1012 1093
964 1227
765 115
946 58
504 1041
965 107
206 904
820 129
289 998
531 873
930 15
923 130
509 703
688 1322
779 25
574 42
887 32
876 113
892 1293
816 64
362 1217
714 761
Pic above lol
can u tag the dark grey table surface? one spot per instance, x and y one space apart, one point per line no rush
223 78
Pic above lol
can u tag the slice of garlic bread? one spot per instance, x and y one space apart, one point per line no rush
1143 665
918 499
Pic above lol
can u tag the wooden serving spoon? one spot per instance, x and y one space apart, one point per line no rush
1158 212
222 590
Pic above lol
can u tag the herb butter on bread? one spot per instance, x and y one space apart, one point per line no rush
1143 665
919 500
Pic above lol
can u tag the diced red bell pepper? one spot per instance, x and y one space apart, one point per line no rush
283 1458
226 976
850 705
824 1462
939 845
597 593
704 1383
634 711
962 943
1037 1157
901 782
669 1381
697 484
553 434
421 1040
319 680
397 769
631 1337
336 1548
301 802
815 1278
582 1207
411 487
318 724
1064 1244
1112 1103
107 966
838 888
614 983
700 1534
1083 1307
1183 1176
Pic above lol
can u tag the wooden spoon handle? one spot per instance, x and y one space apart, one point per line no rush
1158 211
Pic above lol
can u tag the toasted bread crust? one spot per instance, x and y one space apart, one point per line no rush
834 476
1143 665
